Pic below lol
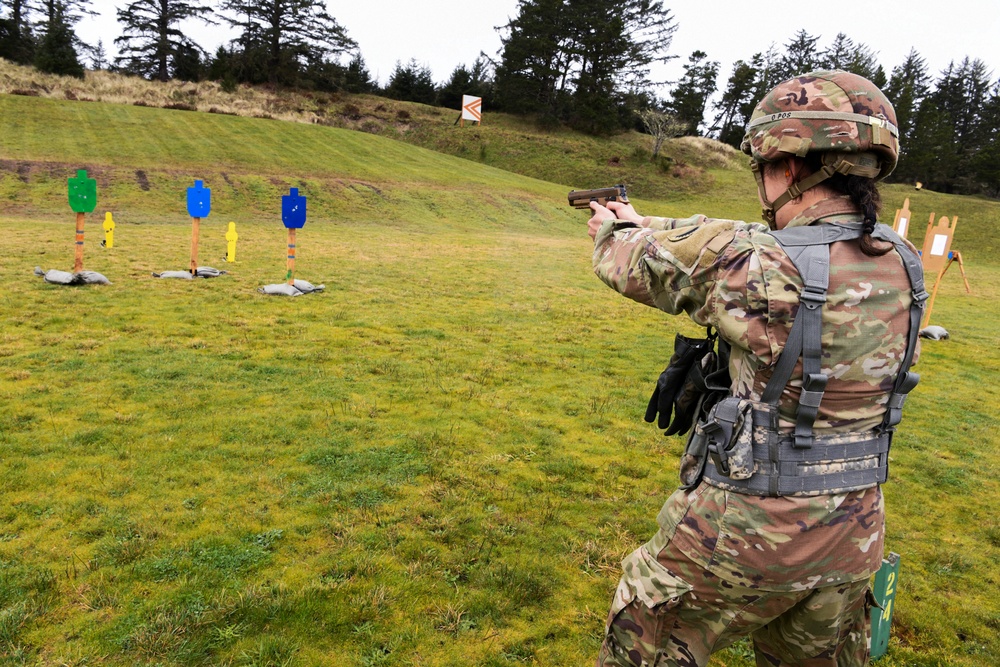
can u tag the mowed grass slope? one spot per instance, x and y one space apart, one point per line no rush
439 460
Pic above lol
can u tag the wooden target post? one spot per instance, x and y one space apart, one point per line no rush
293 216
199 205
83 200
901 225
936 253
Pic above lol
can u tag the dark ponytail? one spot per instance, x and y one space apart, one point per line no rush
865 195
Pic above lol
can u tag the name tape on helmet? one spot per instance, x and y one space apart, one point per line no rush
824 115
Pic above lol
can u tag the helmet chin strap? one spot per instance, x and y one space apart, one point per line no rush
795 190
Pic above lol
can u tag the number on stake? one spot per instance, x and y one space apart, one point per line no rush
890 585
887 613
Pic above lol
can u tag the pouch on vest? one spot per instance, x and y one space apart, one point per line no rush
728 435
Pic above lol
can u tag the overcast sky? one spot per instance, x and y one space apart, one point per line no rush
442 34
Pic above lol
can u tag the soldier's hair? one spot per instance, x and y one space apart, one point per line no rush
865 194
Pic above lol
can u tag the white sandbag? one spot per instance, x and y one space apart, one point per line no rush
934 332
298 289
200 272
57 277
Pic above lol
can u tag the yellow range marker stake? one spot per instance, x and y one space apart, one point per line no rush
291 256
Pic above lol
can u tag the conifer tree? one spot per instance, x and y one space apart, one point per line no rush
17 41
56 52
280 38
411 83
583 61
691 95
737 102
906 89
357 78
801 55
152 42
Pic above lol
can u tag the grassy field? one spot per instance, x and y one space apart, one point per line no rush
440 460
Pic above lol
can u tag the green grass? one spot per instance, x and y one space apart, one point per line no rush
439 460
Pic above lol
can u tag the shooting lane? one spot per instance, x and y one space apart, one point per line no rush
293 217
199 205
82 200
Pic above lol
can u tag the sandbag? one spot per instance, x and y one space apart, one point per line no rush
298 289
57 277
200 272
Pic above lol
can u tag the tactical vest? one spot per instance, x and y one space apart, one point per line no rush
745 451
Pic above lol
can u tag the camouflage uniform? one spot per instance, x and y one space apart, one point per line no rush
792 571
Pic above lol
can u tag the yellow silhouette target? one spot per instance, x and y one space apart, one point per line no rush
109 230
231 238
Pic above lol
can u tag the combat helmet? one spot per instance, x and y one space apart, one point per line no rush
840 115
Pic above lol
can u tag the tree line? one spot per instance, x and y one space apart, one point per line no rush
587 64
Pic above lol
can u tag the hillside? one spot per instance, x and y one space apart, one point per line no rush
441 459
507 142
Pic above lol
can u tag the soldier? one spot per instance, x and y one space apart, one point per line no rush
778 525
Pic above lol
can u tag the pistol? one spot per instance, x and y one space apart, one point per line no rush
582 198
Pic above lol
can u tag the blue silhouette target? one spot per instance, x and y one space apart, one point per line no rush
199 201
293 209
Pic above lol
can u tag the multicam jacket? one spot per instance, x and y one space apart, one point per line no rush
735 277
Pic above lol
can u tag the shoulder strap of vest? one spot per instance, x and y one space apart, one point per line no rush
905 380
809 249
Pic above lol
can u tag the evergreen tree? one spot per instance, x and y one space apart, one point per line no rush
56 52
801 56
466 81
357 78
986 163
17 42
737 102
99 57
411 83
844 54
535 58
907 89
689 98
152 43
280 38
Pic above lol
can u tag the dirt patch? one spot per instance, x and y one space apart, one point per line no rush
142 180
225 177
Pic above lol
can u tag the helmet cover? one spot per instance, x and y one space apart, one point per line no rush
827 111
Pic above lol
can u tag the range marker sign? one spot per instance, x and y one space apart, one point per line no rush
472 108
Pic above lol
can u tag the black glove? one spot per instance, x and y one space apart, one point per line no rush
687 352
706 383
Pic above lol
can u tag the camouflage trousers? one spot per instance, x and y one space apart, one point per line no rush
670 612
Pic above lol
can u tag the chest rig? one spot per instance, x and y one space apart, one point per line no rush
745 451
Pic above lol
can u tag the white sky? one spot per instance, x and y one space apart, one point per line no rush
442 34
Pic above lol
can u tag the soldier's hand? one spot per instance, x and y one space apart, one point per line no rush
624 211
601 214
